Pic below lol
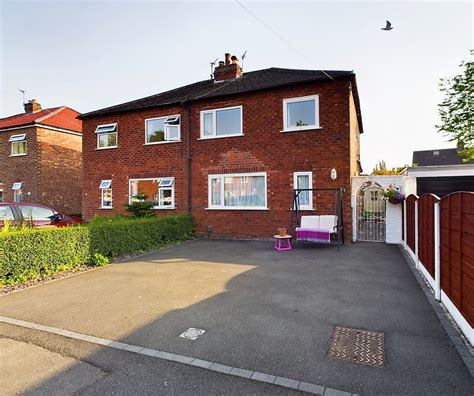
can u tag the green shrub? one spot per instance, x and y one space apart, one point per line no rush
116 238
35 253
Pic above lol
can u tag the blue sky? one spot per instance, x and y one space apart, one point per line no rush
89 55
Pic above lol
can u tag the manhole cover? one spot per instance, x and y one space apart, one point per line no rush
358 346
192 333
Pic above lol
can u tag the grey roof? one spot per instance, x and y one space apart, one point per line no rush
248 82
437 157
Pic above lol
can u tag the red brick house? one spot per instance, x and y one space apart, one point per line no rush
40 157
229 150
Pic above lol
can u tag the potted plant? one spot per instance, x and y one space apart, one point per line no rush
281 231
393 195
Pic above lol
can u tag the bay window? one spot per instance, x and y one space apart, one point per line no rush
238 191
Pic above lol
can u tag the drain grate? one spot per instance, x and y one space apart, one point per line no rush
192 333
358 346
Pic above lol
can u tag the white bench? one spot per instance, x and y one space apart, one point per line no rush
320 223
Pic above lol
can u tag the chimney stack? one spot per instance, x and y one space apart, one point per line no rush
228 70
32 106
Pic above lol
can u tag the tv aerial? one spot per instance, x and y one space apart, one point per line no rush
23 93
243 57
212 66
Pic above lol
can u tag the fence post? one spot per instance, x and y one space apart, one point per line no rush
416 235
405 225
354 217
437 261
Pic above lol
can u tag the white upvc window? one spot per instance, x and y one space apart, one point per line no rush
17 192
163 129
106 194
224 122
301 113
159 191
19 144
107 136
303 180
1 192
246 191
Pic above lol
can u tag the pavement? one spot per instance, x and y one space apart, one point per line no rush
267 311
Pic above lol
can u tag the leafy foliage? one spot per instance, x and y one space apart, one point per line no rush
36 253
457 109
140 207
381 169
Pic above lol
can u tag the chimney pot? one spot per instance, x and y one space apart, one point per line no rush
227 58
234 59
221 63
32 106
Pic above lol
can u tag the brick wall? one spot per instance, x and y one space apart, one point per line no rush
60 170
50 173
21 168
263 148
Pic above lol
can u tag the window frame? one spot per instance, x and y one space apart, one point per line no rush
214 124
17 192
295 186
172 188
98 133
106 185
286 127
222 206
16 140
176 116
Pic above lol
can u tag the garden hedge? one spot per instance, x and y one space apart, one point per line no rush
40 252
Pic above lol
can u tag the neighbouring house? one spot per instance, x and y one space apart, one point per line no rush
441 172
229 150
40 157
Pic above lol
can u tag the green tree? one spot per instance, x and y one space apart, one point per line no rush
140 207
381 169
457 109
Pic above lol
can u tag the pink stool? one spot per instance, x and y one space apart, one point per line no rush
282 242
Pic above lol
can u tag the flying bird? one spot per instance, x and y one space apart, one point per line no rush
388 26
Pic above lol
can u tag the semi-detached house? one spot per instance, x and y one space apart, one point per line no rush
229 150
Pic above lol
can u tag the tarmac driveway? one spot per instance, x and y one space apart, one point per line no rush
263 310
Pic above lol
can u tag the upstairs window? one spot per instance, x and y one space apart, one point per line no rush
18 144
106 136
159 191
17 192
221 122
106 194
301 113
163 129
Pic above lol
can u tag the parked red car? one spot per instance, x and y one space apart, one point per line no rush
41 215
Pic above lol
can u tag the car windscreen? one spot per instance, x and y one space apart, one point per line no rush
6 213
36 213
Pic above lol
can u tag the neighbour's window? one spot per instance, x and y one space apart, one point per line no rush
36 213
18 144
6 213
106 194
163 129
159 191
221 122
106 136
242 191
17 192
1 192
374 195
301 113
304 180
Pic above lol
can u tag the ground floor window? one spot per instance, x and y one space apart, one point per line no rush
106 194
17 192
238 191
159 191
305 198
1 193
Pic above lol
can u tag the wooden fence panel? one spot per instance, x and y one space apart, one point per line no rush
410 209
457 251
426 232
